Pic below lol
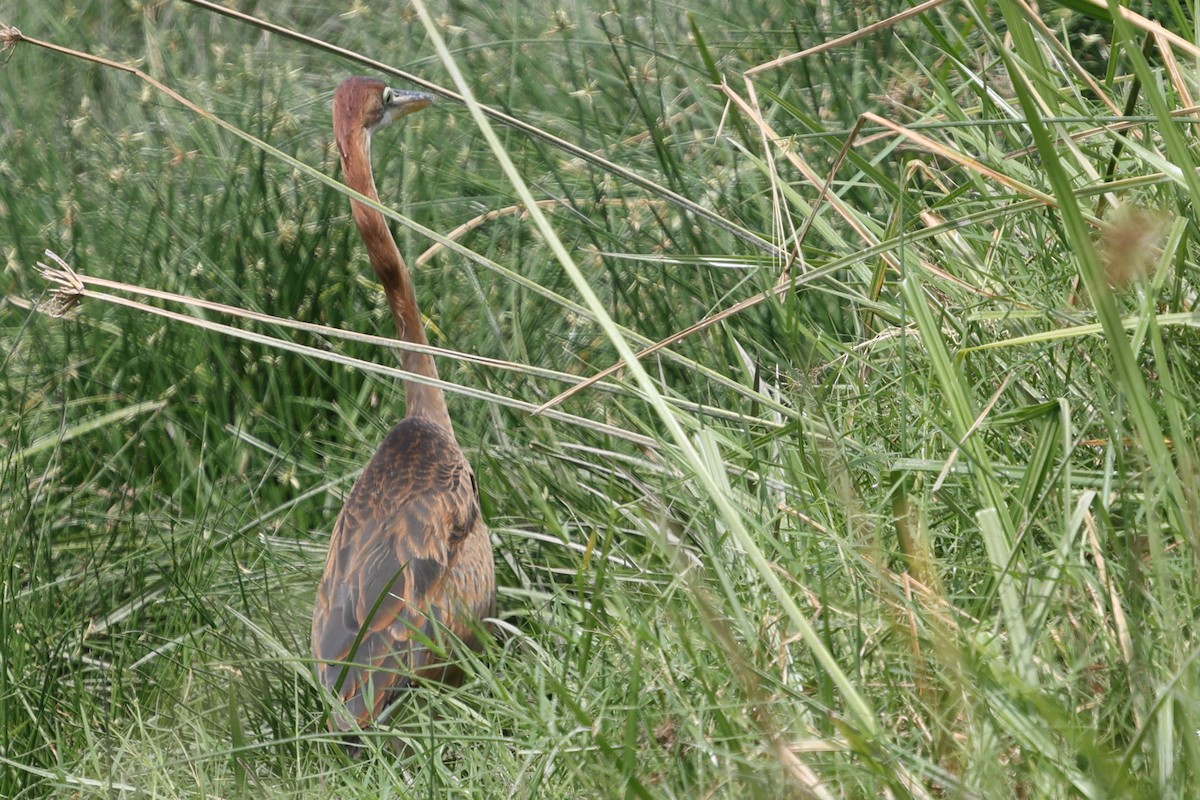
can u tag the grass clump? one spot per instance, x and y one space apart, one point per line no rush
912 513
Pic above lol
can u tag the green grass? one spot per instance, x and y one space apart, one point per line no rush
921 521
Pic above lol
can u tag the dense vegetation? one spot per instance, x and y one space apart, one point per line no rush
920 519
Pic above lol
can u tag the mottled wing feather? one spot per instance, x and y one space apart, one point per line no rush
393 549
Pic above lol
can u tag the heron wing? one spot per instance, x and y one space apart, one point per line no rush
393 547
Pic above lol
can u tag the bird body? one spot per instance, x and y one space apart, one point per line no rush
409 560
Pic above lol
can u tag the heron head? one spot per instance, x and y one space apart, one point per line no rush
368 104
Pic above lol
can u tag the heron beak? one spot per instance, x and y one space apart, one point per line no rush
405 102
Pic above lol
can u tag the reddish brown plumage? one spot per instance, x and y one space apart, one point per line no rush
410 558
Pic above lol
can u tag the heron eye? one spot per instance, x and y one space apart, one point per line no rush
388 94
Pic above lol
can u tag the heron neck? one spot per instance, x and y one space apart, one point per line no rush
421 400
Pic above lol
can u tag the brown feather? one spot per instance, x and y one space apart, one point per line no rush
409 560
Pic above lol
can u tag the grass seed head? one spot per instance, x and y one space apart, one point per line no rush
9 36
1131 244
